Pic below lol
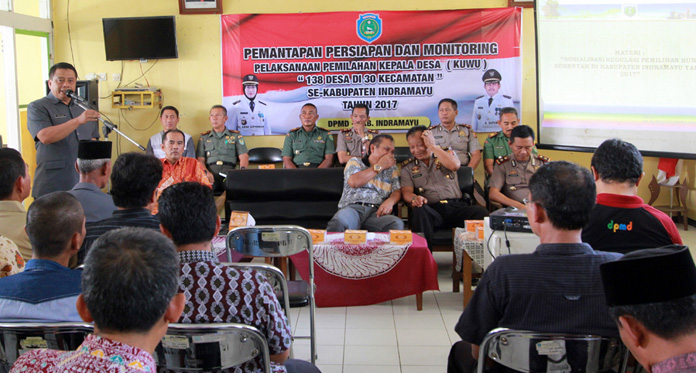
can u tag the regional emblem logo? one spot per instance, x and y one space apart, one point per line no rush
369 27
630 10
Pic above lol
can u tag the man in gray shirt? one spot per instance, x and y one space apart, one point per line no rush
53 122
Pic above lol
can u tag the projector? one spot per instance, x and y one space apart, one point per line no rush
510 219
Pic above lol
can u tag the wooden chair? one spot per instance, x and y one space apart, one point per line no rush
682 194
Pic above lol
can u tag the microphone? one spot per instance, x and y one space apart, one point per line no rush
74 95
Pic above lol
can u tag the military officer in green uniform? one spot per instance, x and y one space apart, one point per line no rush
309 145
353 142
221 150
458 137
509 184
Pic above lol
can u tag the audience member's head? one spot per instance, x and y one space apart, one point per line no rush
188 214
565 192
617 161
376 142
522 142
508 120
651 295
169 117
15 182
55 225
94 161
218 117
130 283
416 145
134 178
308 116
173 145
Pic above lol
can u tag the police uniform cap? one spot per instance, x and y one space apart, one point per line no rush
491 75
250 79
91 149
649 276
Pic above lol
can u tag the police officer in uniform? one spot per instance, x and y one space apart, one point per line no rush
487 107
353 142
430 185
509 184
248 114
220 149
458 137
309 145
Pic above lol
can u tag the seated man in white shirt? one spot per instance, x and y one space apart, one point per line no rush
169 117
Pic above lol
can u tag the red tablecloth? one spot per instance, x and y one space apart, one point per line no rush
358 275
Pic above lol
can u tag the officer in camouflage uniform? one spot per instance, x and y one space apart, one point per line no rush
458 137
220 149
308 146
497 144
509 183
354 142
430 185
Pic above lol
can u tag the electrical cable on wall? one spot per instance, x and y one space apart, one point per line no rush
67 16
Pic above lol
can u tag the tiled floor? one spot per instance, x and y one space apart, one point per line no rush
393 336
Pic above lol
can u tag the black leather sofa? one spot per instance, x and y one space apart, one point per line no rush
306 197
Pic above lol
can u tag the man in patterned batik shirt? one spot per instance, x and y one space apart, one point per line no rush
216 293
370 189
129 291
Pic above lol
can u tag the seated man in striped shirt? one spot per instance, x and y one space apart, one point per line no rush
134 178
557 288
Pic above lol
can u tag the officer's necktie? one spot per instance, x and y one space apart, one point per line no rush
252 104
490 101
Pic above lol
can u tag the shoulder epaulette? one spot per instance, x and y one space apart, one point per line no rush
236 102
234 131
545 159
205 133
508 97
295 129
479 97
372 131
502 160
262 103
404 163
494 134
435 126
346 130
465 125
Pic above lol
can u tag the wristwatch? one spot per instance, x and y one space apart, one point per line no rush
377 168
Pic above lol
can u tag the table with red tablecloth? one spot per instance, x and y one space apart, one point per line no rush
370 273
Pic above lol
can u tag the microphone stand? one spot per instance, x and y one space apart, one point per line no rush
108 126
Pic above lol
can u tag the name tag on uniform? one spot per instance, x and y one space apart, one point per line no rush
243 112
60 116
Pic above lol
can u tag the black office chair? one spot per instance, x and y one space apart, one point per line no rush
210 347
525 351
402 153
17 338
265 155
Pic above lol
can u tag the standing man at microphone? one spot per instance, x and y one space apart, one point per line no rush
53 122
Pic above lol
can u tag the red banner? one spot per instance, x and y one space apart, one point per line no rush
400 63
